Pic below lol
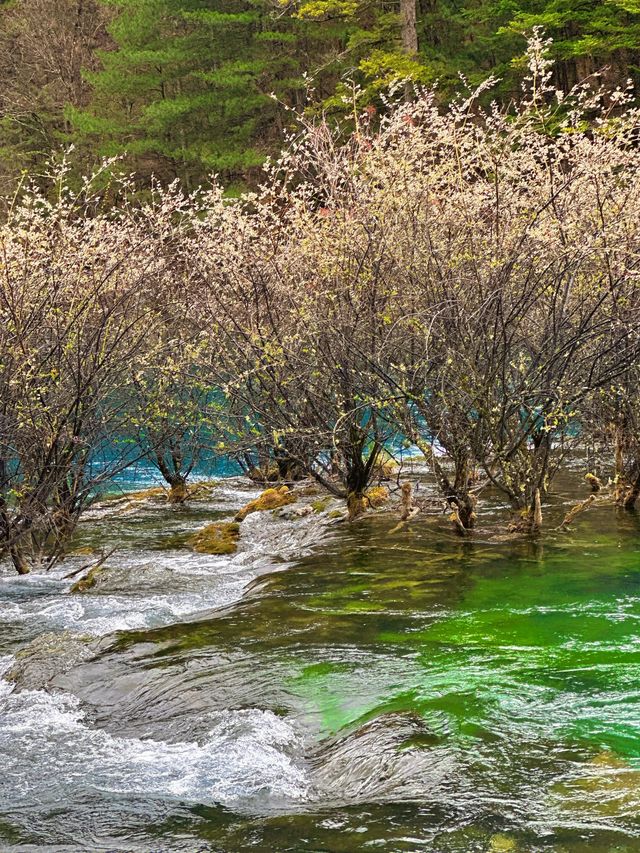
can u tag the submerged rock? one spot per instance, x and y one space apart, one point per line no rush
395 756
269 499
48 656
290 514
220 537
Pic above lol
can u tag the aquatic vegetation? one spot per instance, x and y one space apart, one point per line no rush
321 505
217 538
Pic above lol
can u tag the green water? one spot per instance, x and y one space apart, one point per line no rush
517 667
449 695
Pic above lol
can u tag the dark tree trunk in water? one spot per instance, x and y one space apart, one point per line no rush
359 472
178 492
356 504
632 495
530 520
19 562
466 510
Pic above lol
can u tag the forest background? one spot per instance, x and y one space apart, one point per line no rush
186 88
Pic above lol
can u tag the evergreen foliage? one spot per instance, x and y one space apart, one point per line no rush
187 88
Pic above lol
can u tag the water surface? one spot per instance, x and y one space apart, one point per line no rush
338 688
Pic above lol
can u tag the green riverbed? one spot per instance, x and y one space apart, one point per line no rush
388 691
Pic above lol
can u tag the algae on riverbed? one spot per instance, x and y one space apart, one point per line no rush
472 694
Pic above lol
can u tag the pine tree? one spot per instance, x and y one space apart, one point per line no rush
188 90
587 36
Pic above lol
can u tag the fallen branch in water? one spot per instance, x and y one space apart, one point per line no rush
576 510
91 566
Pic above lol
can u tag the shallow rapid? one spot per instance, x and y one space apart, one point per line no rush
328 687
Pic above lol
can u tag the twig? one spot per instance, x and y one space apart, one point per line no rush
90 566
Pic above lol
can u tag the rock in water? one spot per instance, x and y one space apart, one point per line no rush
48 656
218 538
269 499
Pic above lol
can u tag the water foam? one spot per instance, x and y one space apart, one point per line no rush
50 753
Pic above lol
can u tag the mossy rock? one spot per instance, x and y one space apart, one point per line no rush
153 494
502 844
270 499
202 490
336 513
377 496
220 537
89 580
47 657
321 505
175 495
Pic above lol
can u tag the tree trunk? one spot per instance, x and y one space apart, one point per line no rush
466 510
409 36
178 492
632 495
357 504
19 562
408 27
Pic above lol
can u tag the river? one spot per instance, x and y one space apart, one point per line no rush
330 687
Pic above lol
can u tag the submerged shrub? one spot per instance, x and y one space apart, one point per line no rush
460 279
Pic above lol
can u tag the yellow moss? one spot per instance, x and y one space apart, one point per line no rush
221 537
377 496
147 494
269 499
594 482
202 490
502 844
321 505
88 581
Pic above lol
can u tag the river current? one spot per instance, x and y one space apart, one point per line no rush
329 687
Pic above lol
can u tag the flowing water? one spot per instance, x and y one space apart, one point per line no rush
330 687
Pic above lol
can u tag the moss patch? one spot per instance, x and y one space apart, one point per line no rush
153 494
220 537
321 505
269 499
377 496
88 581
178 494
